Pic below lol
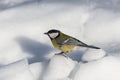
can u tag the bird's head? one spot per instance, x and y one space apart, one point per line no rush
53 33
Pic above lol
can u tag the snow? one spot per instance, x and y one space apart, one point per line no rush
27 54
93 54
16 71
104 69
108 28
36 69
59 67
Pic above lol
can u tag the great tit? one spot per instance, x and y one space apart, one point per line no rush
64 42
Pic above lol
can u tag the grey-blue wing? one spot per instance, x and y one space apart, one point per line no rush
73 41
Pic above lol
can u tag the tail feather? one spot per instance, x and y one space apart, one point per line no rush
89 46
93 47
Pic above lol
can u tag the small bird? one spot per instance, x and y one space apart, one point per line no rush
64 42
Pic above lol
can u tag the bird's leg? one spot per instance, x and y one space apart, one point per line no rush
62 53
65 55
59 53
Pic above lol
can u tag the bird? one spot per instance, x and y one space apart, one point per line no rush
65 43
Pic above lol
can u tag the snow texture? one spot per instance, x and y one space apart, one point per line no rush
16 71
27 54
59 67
104 69
93 54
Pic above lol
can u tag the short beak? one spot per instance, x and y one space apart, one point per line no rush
46 33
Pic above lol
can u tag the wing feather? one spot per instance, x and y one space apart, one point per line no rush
73 41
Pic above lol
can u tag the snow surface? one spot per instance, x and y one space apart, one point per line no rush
16 71
93 54
104 69
27 54
59 67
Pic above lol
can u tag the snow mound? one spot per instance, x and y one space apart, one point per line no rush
91 23
59 67
16 71
36 69
93 54
107 68
65 79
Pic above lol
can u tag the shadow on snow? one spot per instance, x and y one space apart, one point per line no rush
39 50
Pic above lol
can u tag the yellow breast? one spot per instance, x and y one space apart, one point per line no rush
63 48
55 44
67 48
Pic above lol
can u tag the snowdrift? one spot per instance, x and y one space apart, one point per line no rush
26 54
62 68
16 71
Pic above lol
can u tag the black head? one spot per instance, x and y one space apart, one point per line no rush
53 33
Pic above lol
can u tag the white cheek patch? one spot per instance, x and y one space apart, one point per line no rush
53 35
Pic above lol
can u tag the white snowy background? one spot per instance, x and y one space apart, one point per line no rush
27 54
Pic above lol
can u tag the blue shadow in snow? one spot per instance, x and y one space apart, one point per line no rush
77 55
39 50
111 5
5 6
